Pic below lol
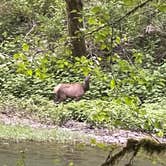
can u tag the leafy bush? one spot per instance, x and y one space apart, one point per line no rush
116 113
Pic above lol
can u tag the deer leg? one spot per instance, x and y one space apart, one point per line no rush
62 97
58 97
77 98
55 98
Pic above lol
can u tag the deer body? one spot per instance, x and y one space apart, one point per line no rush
71 90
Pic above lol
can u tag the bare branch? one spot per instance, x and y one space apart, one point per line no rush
31 30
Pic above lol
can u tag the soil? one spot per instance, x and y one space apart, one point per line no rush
116 136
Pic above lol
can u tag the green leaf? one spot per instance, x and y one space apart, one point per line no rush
25 47
103 46
138 57
21 67
37 73
20 56
118 40
129 2
160 133
162 8
93 141
128 101
29 72
4 34
86 71
96 9
16 56
112 84
124 65
91 21
2 57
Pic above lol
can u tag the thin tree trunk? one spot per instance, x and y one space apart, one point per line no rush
74 12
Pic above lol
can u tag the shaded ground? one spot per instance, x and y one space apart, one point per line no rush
116 136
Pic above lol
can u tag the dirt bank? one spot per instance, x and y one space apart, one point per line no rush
116 136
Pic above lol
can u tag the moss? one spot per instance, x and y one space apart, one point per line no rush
134 146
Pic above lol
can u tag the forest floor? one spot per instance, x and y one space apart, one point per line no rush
114 136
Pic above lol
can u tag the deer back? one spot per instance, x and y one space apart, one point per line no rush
72 90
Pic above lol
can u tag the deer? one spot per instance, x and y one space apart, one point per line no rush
71 90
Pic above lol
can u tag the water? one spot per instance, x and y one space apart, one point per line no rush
42 154
37 154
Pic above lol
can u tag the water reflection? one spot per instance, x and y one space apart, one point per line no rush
36 154
42 154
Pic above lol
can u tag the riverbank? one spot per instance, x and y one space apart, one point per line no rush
38 119
16 128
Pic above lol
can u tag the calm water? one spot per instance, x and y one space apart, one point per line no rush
36 154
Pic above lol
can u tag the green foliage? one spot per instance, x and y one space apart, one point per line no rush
127 62
156 110
21 85
25 133
120 113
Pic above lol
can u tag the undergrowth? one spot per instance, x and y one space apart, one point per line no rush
98 113
127 65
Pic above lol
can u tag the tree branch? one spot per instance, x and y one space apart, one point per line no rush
121 18
133 10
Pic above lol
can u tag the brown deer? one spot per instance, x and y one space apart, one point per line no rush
71 90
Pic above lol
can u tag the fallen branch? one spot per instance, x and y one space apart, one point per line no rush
134 146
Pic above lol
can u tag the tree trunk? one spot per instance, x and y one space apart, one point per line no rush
74 12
